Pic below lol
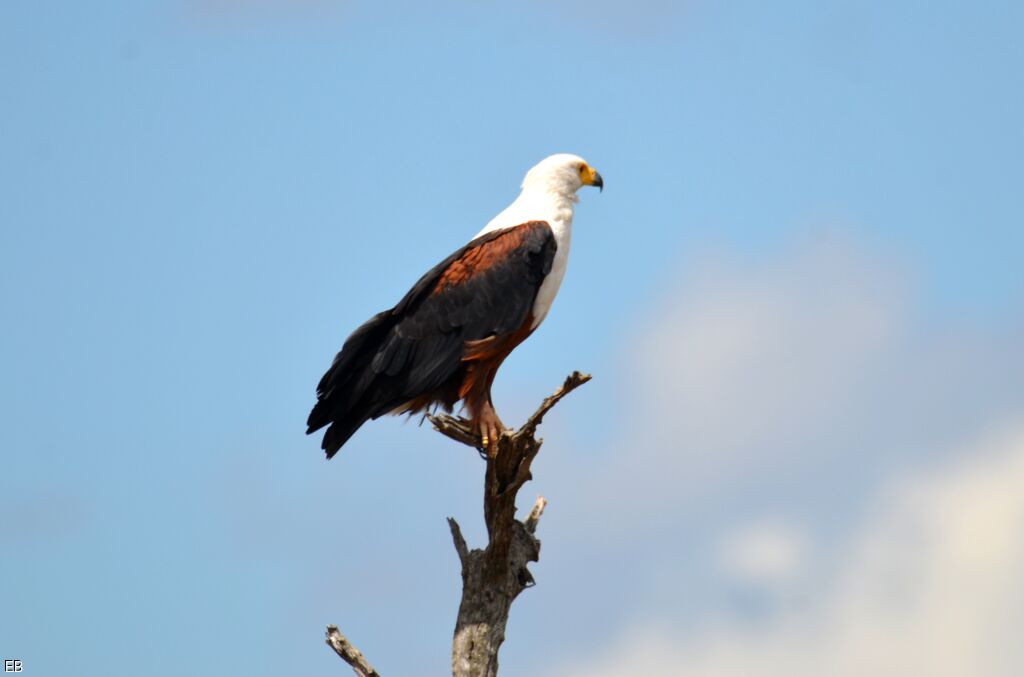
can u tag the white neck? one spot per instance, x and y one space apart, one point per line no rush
536 203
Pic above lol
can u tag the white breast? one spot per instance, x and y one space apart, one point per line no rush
549 287
557 211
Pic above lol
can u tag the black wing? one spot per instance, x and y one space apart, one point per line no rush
484 289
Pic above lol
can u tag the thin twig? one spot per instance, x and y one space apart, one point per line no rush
534 517
572 382
455 428
351 655
459 540
460 429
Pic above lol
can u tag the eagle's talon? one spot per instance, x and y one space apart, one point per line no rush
491 430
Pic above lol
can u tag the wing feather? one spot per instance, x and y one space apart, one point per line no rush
484 289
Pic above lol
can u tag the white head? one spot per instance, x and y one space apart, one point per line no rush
549 193
563 175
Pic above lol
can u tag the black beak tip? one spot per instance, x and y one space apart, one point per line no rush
598 182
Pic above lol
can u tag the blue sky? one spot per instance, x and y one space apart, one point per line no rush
812 213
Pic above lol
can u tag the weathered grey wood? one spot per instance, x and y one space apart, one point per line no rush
493 577
349 654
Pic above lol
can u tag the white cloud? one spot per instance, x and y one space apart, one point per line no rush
769 552
747 355
752 374
930 586
765 407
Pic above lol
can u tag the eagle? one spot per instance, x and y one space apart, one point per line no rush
445 340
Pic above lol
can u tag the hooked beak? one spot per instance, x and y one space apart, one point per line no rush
590 177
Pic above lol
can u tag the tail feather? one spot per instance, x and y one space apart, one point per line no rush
318 418
339 433
343 400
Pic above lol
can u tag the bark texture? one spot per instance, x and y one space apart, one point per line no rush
492 577
349 654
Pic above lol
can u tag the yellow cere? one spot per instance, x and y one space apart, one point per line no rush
587 175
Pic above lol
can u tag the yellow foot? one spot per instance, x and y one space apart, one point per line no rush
491 428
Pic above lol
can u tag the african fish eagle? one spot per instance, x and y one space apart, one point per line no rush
446 338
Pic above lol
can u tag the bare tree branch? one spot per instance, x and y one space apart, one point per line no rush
460 542
457 429
534 517
349 653
460 430
493 577
572 382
